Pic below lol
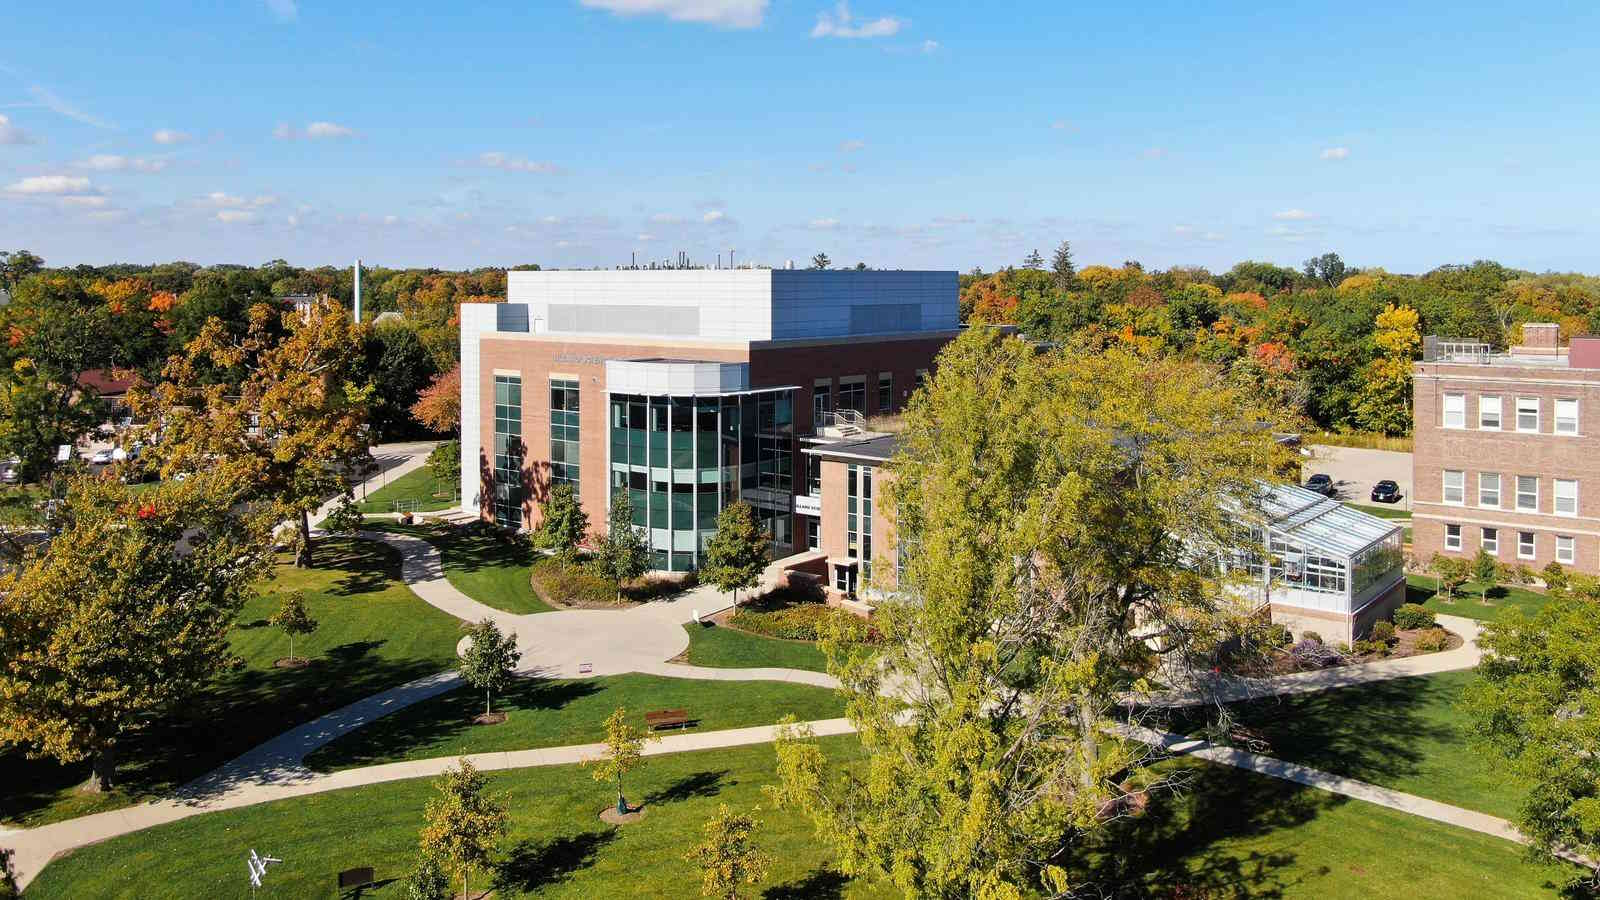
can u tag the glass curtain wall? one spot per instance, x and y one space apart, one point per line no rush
564 432
508 451
683 458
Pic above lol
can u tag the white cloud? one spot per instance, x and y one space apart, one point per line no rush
714 216
666 219
1293 215
284 132
722 13
497 160
92 201
930 46
107 162
229 201
234 216
50 101
842 24
168 136
1336 153
1197 234
953 220
851 146
283 10
1061 125
11 134
313 131
1155 153
1292 235
823 224
644 237
50 184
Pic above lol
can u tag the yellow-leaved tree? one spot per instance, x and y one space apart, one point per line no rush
1384 402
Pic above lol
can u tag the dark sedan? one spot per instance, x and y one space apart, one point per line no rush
1386 491
1322 484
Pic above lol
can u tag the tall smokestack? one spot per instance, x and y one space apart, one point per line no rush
358 291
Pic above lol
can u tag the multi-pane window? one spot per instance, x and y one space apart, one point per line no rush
1455 487
1489 489
564 432
1566 550
1489 413
1452 537
1566 417
1524 545
508 450
1528 493
885 392
853 393
822 402
1527 413
1566 497
1455 410
1491 541
858 516
813 533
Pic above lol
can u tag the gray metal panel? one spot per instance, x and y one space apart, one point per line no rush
676 321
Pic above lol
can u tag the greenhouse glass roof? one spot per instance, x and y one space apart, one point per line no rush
1317 521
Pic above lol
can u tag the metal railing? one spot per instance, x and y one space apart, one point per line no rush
847 422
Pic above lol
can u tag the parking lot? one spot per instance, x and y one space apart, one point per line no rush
1354 471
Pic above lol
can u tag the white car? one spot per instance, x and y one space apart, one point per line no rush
101 457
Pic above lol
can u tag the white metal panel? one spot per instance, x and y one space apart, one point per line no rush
476 318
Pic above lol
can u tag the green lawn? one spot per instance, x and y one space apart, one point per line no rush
730 648
374 634
557 713
1421 589
481 566
1226 834
430 493
1405 734
1382 512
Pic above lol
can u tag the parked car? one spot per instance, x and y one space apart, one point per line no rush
1322 484
10 471
1386 491
101 457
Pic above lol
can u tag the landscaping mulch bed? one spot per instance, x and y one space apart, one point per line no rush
1405 645
489 718
610 817
299 662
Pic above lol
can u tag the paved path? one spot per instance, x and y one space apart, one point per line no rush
394 461
1465 656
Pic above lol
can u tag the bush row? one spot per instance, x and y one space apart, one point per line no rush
560 582
802 622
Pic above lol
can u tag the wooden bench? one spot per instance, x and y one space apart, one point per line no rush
667 718
354 878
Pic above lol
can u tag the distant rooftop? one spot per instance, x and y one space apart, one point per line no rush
877 448
1540 348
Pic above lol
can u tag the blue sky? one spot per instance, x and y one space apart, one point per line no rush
947 135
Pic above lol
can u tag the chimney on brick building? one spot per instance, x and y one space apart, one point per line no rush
1540 339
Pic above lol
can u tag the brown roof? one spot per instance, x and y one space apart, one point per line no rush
104 382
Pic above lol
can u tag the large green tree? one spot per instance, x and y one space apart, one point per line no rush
564 525
1057 510
400 369
1536 706
622 554
123 615
738 553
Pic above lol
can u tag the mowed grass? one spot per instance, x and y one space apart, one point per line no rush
546 713
1381 511
719 647
431 494
481 566
1468 601
373 634
1227 833
1406 734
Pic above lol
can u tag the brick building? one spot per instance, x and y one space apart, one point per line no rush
1502 460
689 388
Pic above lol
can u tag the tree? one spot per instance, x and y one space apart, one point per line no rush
1555 578
623 554
16 265
624 750
464 824
728 858
400 369
1327 268
438 406
287 416
563 525
1039 586
489 661
8 877
428 880
1384 404
821 261
1033 261
125 613
1451 572
292 619
737 554
1485 570
345 517
444 462
1061 267
1536 705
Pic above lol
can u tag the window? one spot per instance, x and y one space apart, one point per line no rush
1455 487
1566 494
1528 414
508 450
858 516
1452 537
564 432
821 402
1491 541
853 393
1528 492
1455 410
813 533
1566 417
885 392
1524 545
1489 413
1489 489
1566 550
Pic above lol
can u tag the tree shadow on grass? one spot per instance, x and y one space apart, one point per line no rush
352 651
689 787
533 864
818 884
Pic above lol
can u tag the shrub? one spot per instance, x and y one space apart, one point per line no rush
1311 636
1383 632
428 880
1371 648
561 582
1433 640
802 622
1412 616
